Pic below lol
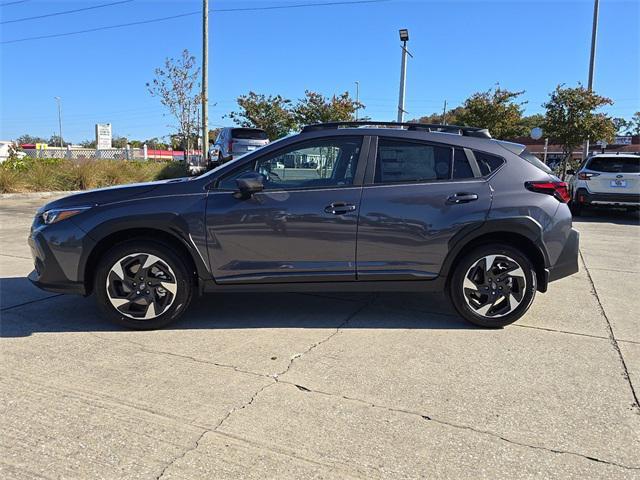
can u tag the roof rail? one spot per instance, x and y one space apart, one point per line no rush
428 127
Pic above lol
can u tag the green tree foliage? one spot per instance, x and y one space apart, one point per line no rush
316 108
451 117
278 116
496 109
571 118
177 86
88 144
54 141
28 139
532 121
271 113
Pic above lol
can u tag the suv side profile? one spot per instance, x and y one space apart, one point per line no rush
348 206
606 180
236 141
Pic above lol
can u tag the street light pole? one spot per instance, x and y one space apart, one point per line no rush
592 60
58 99
357 99
404 37
205 78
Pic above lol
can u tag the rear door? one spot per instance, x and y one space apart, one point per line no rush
415 198
614 174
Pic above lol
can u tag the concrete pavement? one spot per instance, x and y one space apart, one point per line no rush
325 386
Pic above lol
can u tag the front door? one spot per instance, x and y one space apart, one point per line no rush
302 227
420 195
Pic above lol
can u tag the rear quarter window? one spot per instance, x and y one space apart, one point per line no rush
614 164
488 163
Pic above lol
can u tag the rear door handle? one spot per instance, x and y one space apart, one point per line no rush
462 197
339 208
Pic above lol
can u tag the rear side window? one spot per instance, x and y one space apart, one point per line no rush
487 163
248 134
535 161
401 161
461 167
615 164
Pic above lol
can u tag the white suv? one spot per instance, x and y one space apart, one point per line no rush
608 179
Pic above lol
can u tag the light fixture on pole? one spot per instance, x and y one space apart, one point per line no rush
357 98
404 38
58 100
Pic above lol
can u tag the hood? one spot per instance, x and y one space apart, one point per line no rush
102 196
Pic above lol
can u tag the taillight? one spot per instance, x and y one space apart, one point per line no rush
560 190
586 176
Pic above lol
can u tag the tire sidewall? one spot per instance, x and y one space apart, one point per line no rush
184 283
456 290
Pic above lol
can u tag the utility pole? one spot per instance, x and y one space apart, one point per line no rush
592 61
357 98
444 113
404 38
58 99
205 79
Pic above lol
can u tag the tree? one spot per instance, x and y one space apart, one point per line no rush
177 86
29 139
496 109
270 113
622 126
451 117
88 143
532 121
571 118
54 141
316 108
634 125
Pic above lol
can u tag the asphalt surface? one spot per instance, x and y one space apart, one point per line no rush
325 386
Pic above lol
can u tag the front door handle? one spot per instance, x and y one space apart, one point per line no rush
339 208
462 197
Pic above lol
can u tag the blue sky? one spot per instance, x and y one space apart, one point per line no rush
460 47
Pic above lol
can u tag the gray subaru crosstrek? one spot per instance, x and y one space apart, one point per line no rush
353 206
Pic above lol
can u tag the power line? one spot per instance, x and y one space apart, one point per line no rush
172 17
12 3
66 12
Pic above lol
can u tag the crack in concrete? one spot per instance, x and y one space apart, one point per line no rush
30 302
326 339
457 426
15 256
183 454
635 403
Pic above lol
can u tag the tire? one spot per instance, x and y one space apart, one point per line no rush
492 308
576 209
168 284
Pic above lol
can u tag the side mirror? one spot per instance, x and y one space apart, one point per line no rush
571 172
249 184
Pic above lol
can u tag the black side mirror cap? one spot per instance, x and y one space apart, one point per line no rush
249 184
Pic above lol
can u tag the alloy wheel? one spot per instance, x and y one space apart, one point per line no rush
494 286
141 286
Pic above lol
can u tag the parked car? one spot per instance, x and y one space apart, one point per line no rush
233 142
606 180
418 208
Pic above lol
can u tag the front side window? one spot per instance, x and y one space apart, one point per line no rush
405 161
313 164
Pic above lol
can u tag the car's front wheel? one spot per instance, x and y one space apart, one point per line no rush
493 285
143 284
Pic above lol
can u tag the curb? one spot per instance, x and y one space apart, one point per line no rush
27 195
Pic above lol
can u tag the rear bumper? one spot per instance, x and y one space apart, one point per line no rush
584 197
567 263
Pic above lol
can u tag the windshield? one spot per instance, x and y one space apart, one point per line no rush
617 164
249 134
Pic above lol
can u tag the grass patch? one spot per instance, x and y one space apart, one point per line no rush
38 175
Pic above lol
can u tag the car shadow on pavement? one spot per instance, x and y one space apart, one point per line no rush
617 216
25 310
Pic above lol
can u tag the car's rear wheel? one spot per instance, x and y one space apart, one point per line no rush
143 284
576 208
493 286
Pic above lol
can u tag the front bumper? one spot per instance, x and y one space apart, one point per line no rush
58 253
584 197
567 263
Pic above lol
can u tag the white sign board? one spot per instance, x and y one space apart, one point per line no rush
622 140
103 135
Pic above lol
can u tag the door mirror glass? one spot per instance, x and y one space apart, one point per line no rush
249 184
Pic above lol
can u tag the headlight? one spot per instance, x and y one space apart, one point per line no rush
57 214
